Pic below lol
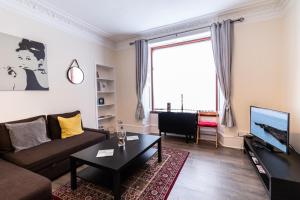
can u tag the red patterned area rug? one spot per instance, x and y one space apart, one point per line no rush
153 181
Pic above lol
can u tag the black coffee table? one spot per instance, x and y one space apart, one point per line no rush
110 170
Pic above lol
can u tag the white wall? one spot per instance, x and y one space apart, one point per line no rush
291 50
62 47
257 77
256 73
265 73
126 94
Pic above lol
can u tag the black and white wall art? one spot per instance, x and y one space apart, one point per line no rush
23 64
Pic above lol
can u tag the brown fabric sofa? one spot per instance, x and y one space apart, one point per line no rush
17 183
50 159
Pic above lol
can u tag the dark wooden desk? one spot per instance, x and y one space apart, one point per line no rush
178 122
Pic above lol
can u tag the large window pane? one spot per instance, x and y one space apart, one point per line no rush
185 69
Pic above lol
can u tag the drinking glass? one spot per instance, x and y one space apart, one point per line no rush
121 138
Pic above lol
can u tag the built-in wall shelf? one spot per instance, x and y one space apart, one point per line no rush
106 92
104 105
106 67
105 80
106 117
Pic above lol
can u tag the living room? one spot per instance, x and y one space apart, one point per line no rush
89 51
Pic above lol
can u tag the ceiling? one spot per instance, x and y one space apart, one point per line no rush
122 19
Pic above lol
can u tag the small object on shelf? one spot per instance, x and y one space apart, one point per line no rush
98 76
255 160
168 106
251 153
101 101
261 169
103 85
98 86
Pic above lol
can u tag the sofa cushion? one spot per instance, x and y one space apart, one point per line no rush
46 154
28 134
5 143
53 124
70 126
18 183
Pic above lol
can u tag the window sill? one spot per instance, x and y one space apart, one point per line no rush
205 114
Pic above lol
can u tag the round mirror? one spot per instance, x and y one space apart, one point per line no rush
75 74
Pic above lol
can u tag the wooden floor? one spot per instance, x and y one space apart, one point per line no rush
210 174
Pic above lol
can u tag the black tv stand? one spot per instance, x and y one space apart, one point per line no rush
260 145
282 171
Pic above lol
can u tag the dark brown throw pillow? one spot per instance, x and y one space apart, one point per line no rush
5 143
53 124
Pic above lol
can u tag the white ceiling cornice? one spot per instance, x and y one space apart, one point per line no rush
55 17
38 10
252 12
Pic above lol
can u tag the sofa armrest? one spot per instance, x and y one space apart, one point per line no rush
106 133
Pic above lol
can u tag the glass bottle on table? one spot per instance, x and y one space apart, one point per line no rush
121 134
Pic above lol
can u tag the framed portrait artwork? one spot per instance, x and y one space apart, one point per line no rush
23 64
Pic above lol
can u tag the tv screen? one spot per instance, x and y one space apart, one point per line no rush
271 126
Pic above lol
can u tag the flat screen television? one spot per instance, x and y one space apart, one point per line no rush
270 126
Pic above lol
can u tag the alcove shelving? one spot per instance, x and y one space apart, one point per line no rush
105 79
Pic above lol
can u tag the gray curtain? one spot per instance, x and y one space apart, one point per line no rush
141 49
222 36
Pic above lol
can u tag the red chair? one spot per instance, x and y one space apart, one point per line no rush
207 123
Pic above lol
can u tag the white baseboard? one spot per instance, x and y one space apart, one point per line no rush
231 141
137 128
224 140
154 128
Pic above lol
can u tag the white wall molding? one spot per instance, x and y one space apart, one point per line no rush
137 128
231 141
225 140
253 12
59 19
38 10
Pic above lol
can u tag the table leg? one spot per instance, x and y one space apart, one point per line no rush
117 186
73 174
159 150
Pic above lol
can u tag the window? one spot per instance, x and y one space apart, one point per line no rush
184 68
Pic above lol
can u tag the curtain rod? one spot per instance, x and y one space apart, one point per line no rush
241 19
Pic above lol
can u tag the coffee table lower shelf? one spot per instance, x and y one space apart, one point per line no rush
101 177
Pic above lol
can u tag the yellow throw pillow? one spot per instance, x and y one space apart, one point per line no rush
70 126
